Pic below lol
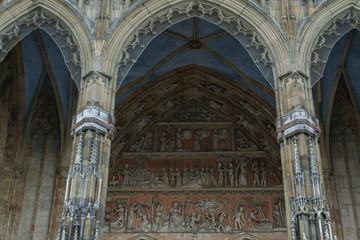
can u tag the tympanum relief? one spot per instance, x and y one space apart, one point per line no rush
198 156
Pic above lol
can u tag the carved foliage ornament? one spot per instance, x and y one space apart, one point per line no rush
39 18
327 39
223 18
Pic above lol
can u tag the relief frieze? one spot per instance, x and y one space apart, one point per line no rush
221 171
217 214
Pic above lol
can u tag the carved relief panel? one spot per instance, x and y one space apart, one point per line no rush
194 212
193 155
190 171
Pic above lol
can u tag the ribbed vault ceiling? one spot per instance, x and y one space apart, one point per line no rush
196 41
193 41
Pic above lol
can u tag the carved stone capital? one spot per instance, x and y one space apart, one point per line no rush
93 118
298 121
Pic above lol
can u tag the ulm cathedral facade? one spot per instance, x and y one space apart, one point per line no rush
179 119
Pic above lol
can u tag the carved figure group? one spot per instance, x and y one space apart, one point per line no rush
227 175
189 216
259 172
240 171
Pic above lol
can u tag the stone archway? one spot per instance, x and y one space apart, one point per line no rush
320 34
61 23
176 135
250 29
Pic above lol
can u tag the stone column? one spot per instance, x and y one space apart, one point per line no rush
298 132
86 183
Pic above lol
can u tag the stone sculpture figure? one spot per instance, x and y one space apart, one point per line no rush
198 136
172 177
185 177
126 173
145 224
239 218
215 140
178 140
256 172
114 182
163 142
158 218
230 174
193 220
121 211
221 221
212 177
176 219
164 178
131 216
263 173
204 225
259 205
241 168
177 175
212 219
277 216
221 171
203 177
251 219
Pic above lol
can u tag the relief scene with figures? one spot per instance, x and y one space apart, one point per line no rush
192 167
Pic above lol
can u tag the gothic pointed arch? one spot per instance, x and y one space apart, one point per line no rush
190 124
321 32
257 32
56 18
195 94
245 236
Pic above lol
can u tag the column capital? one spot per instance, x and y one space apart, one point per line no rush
93 111
298 121
93 118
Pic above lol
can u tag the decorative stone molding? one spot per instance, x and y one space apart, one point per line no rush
298 121
55 27
258 191
327 38
93 118
224 18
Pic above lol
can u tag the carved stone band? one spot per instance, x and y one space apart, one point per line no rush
298 121
93 118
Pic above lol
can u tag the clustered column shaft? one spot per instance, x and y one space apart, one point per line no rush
80 217
310 212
